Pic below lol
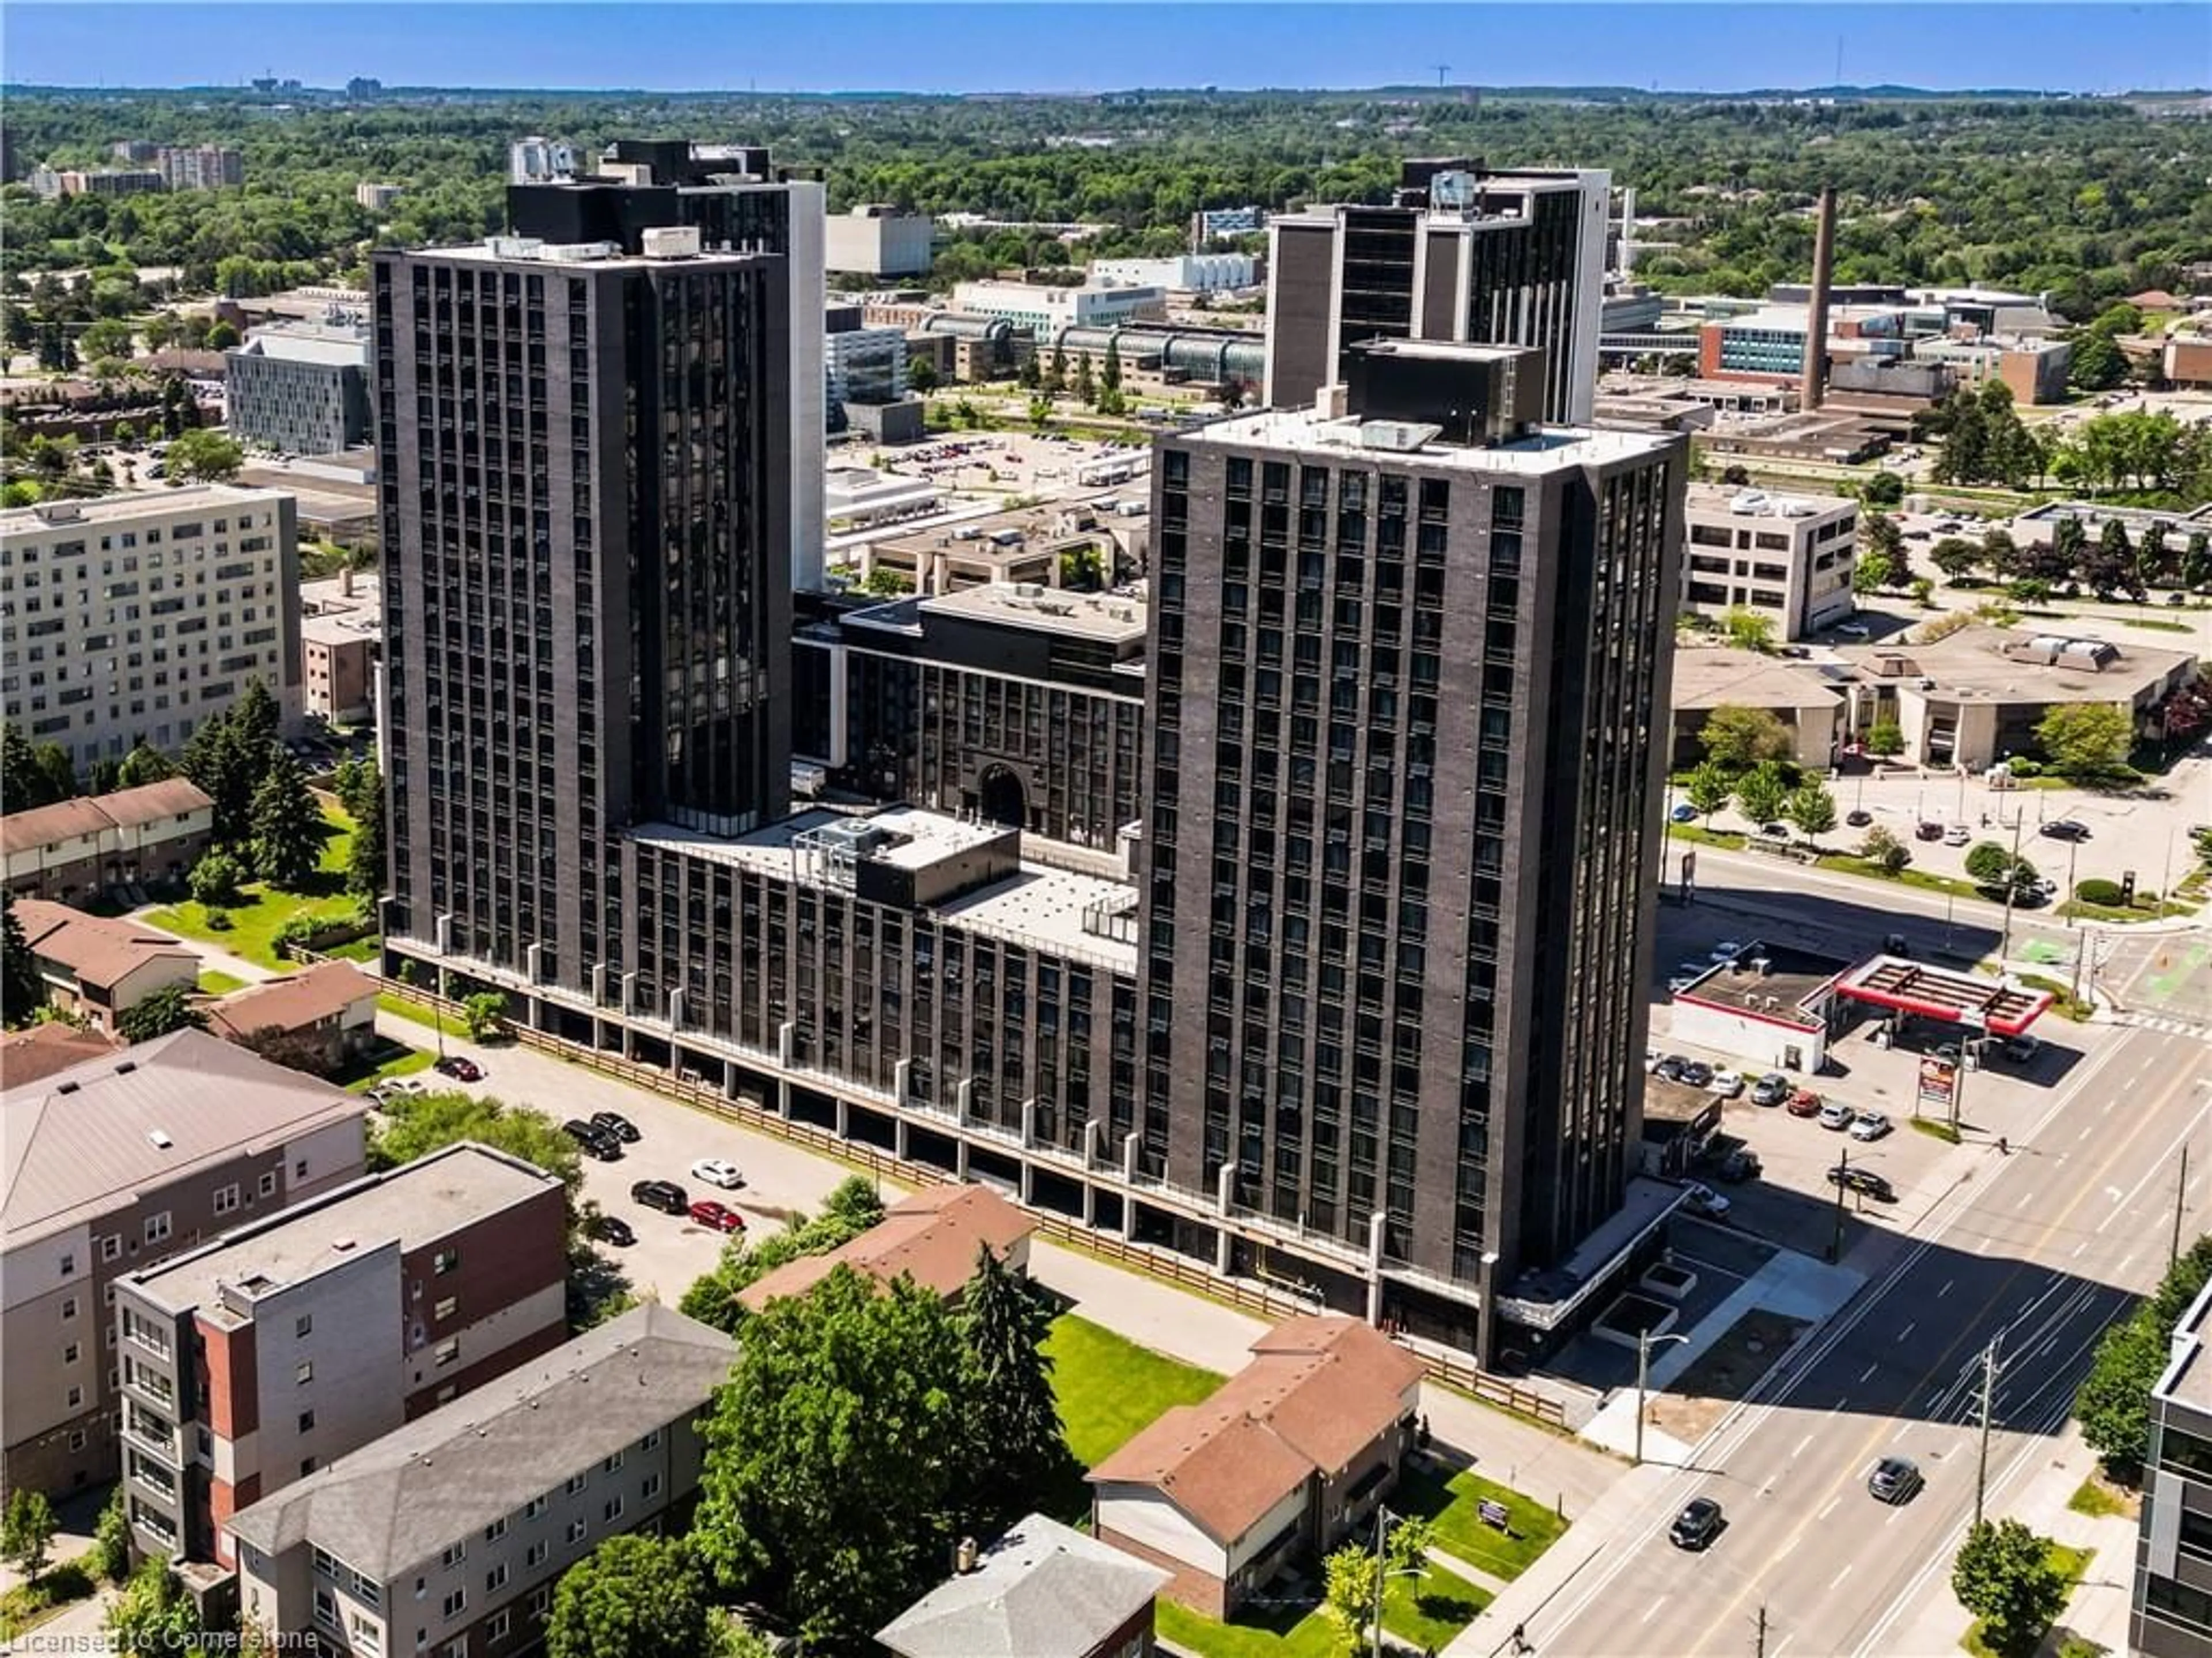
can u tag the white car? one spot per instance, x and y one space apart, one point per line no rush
1706 1201
1957 835
1650 1059
1726 1083
715 1172
1836 1114
1870 1126
1726 950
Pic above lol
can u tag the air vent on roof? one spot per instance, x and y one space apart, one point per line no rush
66 1088
159 1138
126 1068
342 1244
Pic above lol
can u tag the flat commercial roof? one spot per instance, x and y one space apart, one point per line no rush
1998 1005
1772 982
1552 449
1715 676
1667 1101
1118 616
1975 663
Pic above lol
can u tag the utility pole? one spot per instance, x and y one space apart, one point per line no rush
2180 1200
1982 1466
1643 1382
1958 1089
2012 884
1760 1650
1842 1185
1382 1571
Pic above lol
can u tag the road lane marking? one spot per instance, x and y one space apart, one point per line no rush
1868 1375
1824 1513
1837 1581
1945 1290
1802 1444
1652 1610
1907 1331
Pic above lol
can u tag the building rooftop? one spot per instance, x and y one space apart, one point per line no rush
1736 502
446 1476
1307 431
1040 905
1775 981
293 1001
1118 616
578 256
932 1237
98 949
2188 1378
411 1205
2003 665
1712 676
32 1055
127 508
89 1139
94 814
1043 1590
1665 1101
332 348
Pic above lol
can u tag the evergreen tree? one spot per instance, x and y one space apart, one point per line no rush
55 765
1005 1320
24 783
288 825
1056 381
2062 560
2197 560
144 765
1084 384
225 774
364 859
257 718
1110 375
2108 566
170 1008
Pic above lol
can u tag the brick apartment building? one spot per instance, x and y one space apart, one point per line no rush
73 850
282 1346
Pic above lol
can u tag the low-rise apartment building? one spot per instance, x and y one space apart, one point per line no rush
301 389
322 1015
1787 558
97 968
138 617
446 1536
284 1346
74 850
113 1164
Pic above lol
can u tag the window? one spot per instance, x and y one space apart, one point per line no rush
306 1422
75 1398
303 1326
533 1508
456 1602
650 1441
445 1308
613 1511
495 1531
576 1483
326 1606
68 1262
535 1554
300 1169
445 1261
267 1184
70 1353
541 1602
496 1579
226 1199
612 1463
303 1372
68 1308
453 1556
496 1629
325 1564
307 1467
447 1351
651 1487
157 1227
76 1440
111 1247
576 1529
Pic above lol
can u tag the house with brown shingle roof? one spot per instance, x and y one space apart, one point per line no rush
74 850
98 966
330 1008
1287 1458
932 1237
29 1056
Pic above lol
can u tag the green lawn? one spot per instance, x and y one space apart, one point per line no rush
261 912
1427 1612
213 981
1451 1505
1731 839
452 1023
2098 1500
26 1605
1109 1388
2072 1565
1850 864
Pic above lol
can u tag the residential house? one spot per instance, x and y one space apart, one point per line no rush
326 1012
933 1237
74 850
98 967
30 1055
1043 1590
1289 1456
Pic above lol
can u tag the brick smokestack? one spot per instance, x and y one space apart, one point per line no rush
1816 314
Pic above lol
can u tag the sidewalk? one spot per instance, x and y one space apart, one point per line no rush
210 955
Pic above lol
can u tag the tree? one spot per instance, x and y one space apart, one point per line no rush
843 1459
1878 536
214 879
1110 375
2098 365
2004 1576
1084 385
2000 552
1885 850
851 1209
1883 489
1709 787
1954 555
1005 1320
365 858
22 987
110 1556
226 772
26 1532
287 824
631 1597
257 718
2086 740
416 1125
1885 738
144 765
922 376
356 783
24 782
203 456
2113 1402
53 763
155 1612
1349 1583
2111 561
106 338
2196 572
221 337
1988 862
1735 738
1055 380
482 1012
1761 793
1812 808
1747 630
170 1008
1871 573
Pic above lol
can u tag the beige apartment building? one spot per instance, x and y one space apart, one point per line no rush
116 1164
136 617
1789 558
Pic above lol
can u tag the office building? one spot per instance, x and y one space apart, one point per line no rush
739 204
199 166
2171 1610
1046 310
1185 273
874 240
1401 640
376 198
100 181
74 850
1496 258
135 619
301 390
539 161
118 1163
586 489
299 1337
1214 224
864 366
446 1536
1787 559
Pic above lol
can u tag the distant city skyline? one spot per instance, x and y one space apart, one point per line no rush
1102 47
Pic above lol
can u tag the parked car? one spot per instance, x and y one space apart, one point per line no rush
1697 1073
1837 1115
1727 949
1706 1201
2065 829
1697 1524
1772 1088
1895 1479
1927 831
1854 630
617 1125
1726 1083
1741 1164
715 1172
1865 1181
2021 1050
1685 813
1804 1102
1870 1126
1670 1067
460 1069
664 1195
719 1215
1776 831
1652 1058
594 1140
612 1229
1957 835
1859 818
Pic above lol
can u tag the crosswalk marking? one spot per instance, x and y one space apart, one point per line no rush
2169 1025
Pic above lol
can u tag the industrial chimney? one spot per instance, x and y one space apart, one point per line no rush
1816 314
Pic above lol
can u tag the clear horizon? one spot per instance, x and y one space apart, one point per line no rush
1103 47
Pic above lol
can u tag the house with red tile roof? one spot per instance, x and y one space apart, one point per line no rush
932 1237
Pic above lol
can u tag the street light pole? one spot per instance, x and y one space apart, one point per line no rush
2180 1199
1843 1184
2012 884
1982 1466
1643 1382
2073 851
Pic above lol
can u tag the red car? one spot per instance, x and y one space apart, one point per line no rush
720 1216
1805 1103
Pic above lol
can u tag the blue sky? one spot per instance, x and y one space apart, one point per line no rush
829 46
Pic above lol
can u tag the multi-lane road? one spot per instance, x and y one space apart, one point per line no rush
2036 1253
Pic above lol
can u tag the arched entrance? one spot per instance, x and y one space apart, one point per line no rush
1002 798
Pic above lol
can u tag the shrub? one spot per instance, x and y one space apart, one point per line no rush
2107 893
218 921
2025 768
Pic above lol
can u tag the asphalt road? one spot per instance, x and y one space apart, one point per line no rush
2037 1253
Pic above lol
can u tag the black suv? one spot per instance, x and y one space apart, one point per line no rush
1697 1525
614 1123
595 1140
664 1195
1864 1182
1895 1479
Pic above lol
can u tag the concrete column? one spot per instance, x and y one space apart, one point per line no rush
729 1079
1029 1125
960 1158
1028 1181
629 991
964 1099
1224 1188
1091 1203
787 1035
902 1077
533 959
783 1099
1221 1241
899 1138
1094 1145
1376 1225
599 984
844 1119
